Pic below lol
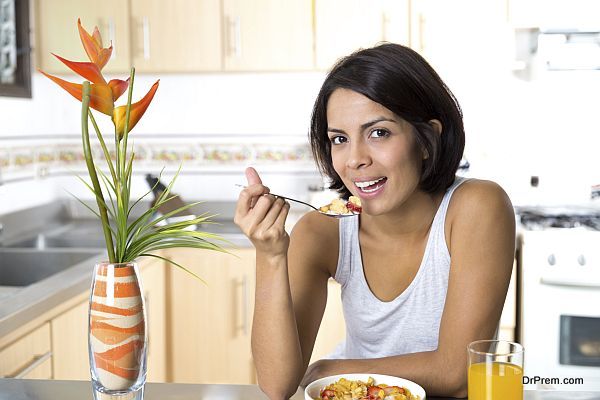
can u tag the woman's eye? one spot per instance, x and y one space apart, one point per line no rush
379 133
338 139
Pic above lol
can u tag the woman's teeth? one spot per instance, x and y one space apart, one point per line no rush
369 186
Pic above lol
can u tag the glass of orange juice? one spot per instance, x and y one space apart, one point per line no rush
495 370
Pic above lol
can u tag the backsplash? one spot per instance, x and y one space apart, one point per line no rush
34 158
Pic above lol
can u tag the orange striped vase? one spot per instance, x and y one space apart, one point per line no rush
117 332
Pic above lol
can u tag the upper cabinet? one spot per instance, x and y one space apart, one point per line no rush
219 35
474 44
176 36
556 14
343 26
267 35
56 22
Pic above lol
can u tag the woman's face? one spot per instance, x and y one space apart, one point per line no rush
374 151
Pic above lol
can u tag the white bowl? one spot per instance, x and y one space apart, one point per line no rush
313 390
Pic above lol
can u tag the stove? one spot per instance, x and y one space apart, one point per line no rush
558 280
541 218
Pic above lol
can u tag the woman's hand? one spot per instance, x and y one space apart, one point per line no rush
318 370
261 217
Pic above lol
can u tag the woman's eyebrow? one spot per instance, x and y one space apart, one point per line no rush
363 126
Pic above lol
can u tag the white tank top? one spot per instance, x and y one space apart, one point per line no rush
411 322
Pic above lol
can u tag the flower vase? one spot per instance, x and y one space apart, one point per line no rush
117 342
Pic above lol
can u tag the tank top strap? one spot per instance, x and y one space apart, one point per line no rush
349 248
437 234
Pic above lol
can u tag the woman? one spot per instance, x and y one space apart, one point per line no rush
424 269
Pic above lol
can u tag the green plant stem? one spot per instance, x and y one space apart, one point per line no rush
89 161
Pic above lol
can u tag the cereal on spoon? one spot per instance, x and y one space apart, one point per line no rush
342 207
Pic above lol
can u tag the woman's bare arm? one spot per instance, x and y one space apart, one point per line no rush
481 243
280 351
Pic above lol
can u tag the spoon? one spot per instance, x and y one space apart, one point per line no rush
328 213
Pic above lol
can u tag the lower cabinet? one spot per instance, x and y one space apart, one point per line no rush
29 357
333 327
58 347
70 343
209 323
198 332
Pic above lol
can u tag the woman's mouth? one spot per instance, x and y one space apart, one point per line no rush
370 186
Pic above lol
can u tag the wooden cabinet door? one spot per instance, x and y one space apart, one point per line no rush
28 357
56 22
461 36
268 35
153 272
176 36
333 326
210 323
344 26
70 357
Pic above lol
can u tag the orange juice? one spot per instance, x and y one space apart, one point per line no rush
495 381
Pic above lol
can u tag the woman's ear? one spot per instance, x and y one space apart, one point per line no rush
436 125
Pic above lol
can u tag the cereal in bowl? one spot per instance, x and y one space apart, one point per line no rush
345 389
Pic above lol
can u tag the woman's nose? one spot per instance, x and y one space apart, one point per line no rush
358 156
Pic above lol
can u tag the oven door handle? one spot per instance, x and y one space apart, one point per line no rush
569 277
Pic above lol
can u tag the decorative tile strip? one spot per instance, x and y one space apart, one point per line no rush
66 156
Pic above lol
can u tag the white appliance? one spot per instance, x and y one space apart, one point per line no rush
558 263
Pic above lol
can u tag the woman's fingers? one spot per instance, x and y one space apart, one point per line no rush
273 213
252 176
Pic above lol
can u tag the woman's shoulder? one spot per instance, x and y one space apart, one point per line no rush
479 210
318 237
476 198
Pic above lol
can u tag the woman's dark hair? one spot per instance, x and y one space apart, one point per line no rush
402 81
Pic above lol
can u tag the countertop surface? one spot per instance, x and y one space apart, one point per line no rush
26 389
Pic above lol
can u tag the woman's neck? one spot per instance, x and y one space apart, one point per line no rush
414 216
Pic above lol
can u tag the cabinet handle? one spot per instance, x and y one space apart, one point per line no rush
36 362
112 37
421 29
146 37
234 38
384 26
245 305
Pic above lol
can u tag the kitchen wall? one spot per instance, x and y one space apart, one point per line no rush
217 124
516 128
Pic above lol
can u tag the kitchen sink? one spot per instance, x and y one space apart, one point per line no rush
22 268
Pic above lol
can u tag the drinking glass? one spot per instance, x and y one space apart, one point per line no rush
495 370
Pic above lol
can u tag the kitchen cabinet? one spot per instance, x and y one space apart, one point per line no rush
333 327
29 357
56 26
70 343
454 43
554 14
183 36
154 273
186 36
268 35
342 26
210 323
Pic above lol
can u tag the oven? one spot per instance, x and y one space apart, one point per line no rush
558 264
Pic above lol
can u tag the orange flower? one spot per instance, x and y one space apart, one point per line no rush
135 114
102 94
92 45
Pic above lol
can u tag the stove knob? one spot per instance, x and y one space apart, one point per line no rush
551 259
581 260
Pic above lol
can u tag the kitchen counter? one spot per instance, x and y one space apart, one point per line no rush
20 304
26 389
